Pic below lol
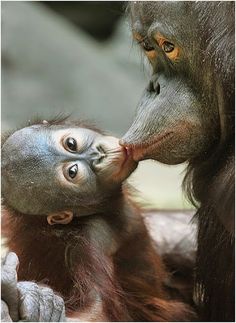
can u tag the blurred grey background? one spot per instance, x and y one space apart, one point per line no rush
78 58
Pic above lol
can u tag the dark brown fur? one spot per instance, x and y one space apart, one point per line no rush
204 32
130 282
211 185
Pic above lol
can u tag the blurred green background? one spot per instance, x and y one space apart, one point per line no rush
78 58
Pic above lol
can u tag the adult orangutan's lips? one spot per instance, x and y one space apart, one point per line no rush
141 151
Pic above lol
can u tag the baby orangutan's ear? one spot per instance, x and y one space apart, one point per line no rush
63 217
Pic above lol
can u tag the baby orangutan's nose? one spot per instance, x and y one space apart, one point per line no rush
97 155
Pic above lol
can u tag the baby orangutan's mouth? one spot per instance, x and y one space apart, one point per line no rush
127 155
117 162
127 166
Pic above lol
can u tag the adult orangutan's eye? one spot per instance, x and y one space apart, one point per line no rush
72 171
146 45
71 144
168 47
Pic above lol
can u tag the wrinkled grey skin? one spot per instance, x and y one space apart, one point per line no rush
27 301
185 97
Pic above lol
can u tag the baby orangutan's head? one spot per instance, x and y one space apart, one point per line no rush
53 166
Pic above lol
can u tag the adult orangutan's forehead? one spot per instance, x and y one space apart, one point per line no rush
163 15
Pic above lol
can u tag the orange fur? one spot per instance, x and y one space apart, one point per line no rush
125 285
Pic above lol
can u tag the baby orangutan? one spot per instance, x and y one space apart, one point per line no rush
69 218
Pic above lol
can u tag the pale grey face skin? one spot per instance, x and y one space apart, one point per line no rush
48 169
103 154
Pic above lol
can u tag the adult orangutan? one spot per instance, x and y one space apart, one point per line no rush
186 114
71 221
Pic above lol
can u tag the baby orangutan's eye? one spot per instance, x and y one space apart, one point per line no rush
70 144
72 171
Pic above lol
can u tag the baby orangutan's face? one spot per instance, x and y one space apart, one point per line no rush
86 155
49 168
